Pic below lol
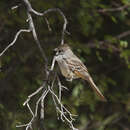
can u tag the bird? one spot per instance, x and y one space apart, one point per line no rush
72 67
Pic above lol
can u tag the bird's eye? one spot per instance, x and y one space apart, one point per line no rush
60 51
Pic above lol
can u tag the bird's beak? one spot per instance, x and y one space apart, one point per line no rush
56 49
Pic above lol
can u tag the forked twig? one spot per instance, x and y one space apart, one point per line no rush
63 111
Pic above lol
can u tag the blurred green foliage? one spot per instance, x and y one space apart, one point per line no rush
93 37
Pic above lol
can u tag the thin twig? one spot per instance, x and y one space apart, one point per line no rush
65 21
13 42
30 96
48 25
32 28
42 109
104 46
60 89
114 9
30 9
41 98
15 7
34 115
54 100
53 63
63 113
122 35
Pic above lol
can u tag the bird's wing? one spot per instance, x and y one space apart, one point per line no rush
81 71
76 64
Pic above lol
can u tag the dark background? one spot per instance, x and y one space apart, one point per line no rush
99 35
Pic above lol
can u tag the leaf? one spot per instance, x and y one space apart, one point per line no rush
123 44
114 19
126 55
98 56
76 90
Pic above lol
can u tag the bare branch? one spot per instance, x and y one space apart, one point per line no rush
15 7
32 28
114 9
63 111
42 108
34 115
13 42
65 114
30 9
62 14
30 109
30 96
41 98
48 25
124 34
53 63
104 46
52 85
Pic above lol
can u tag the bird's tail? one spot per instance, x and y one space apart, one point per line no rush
90 80
95 88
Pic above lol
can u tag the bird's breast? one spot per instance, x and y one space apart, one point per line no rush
63 65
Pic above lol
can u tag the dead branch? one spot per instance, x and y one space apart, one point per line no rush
103 44
30 9
121 8
13 42
64 113
124 34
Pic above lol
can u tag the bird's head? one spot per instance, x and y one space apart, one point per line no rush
60 50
